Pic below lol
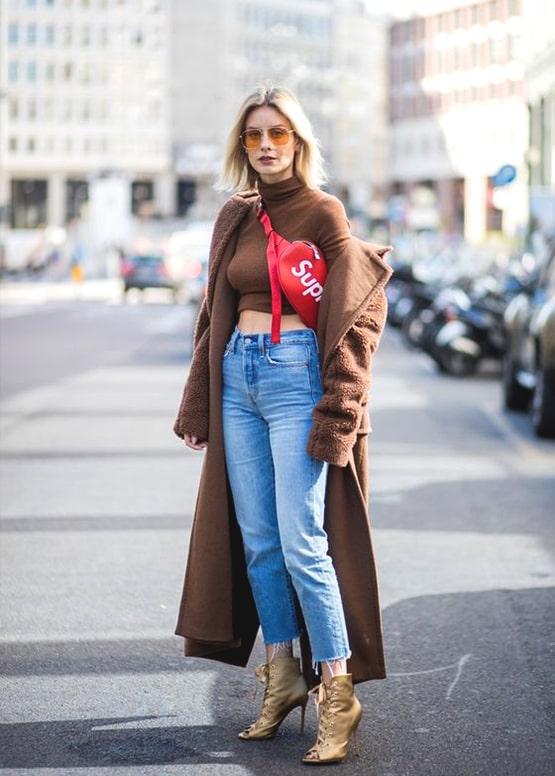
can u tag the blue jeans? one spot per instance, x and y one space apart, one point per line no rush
269 392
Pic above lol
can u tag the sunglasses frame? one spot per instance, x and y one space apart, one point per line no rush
261 134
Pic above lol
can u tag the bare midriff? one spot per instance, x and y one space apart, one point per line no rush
254 322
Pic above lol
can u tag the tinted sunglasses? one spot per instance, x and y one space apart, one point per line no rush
252 138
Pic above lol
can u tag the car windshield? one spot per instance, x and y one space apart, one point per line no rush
151 259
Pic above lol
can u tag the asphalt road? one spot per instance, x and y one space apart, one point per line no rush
96 501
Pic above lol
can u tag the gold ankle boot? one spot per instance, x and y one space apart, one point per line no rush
339 716
285 689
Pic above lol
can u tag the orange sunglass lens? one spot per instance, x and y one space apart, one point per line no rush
252 138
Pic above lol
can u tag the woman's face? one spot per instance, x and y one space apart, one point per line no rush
271 160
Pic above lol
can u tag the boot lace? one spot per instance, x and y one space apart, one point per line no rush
326 707
262 673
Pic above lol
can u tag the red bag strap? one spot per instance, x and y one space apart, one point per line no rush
273 260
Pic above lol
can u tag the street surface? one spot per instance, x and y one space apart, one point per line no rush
97 497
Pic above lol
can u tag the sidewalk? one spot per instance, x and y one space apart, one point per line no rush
97 504
42 291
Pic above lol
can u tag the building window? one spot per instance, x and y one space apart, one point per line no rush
142 195
29 201
49 35
493 10
186 195
13 71
77 196
31 34
13 34
31 71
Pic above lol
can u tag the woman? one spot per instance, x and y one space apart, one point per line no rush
281 536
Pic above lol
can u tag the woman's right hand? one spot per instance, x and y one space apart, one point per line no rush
194 443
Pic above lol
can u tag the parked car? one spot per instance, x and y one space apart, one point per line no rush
142 271
187 256
529 360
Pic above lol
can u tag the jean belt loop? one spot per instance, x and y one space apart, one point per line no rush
261 344
234 339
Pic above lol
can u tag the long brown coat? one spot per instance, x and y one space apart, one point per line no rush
217 615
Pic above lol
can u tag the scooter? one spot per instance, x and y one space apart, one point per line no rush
448 305
397 291
471 333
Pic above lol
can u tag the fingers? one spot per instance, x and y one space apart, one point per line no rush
193 442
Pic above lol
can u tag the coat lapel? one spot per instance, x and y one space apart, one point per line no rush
355 278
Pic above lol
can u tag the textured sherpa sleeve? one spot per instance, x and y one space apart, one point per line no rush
193 414
341 414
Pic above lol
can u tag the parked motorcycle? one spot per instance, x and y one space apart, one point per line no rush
414 288
473 330
415 309
397 290
444 309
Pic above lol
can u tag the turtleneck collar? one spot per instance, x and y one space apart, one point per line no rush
278 192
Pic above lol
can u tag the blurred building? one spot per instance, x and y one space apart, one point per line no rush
459 121
113 108
84 98
330 52
139 95
359 147
540 92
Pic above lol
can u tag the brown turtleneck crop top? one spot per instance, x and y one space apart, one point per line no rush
297 213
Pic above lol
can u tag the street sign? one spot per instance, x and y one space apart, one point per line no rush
504 175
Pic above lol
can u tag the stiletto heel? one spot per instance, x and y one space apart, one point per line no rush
303 712
356 742
340 713
285 689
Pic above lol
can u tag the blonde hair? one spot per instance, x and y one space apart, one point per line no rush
238 174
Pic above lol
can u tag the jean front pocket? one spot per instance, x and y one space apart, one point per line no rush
288 354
